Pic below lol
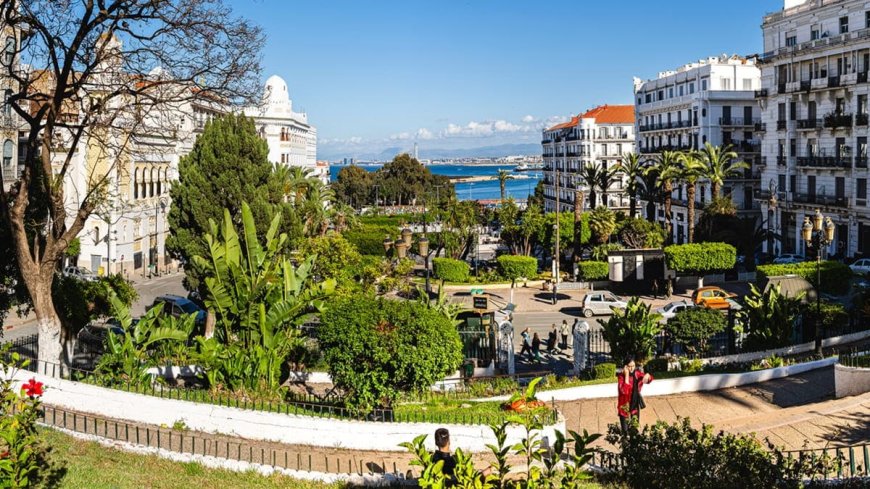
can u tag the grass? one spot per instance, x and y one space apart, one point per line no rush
89 464
456 410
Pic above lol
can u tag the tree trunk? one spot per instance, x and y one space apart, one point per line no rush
668 189
593 197
49 327
578 213
632 206
714 187
651 211
690 194
209 324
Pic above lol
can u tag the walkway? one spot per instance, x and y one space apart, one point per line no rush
794 412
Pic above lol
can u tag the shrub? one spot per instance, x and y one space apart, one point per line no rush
693 327
451 270
604 371
601 252
369 240
768 318
376 349
593 270
514 267
677 456
336 257
656 365
602 222
639 233
835 275
631 331
700 257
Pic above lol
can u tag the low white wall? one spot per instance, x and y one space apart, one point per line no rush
851 381
259 425
789 350
695 383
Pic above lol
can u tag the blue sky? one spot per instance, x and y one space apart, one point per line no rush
464 74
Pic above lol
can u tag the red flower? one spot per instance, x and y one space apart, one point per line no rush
32 388
4 454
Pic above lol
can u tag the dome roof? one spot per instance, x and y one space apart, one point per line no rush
276 89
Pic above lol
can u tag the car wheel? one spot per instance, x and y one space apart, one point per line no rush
587 313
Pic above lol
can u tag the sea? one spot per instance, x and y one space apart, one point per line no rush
520 187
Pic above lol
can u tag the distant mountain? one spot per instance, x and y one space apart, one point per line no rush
523 149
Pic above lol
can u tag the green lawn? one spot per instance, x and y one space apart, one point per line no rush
91 465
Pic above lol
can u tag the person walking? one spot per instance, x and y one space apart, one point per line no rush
536 347
551 340
564 331
442 454
527 343
630 381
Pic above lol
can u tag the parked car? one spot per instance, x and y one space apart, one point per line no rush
861 267
80 273
670 310
601 302
91 338
176 306
788 258
713 298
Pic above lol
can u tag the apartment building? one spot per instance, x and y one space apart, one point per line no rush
712 100
815 86
601 136
10 123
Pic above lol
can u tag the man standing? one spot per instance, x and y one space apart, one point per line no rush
564 332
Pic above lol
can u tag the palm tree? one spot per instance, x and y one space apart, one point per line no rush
503 177
667 169
692 170
578 224
648 191
597 178
720 164
633 169
296 181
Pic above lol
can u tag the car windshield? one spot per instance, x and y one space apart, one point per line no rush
188 307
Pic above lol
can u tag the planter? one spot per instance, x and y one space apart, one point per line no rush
851 381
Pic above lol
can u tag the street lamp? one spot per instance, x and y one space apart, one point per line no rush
818 233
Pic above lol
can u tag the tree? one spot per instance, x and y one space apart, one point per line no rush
353 186
769 318
631 332
745 234
602 222
692 170
337 259
639 233
578 226
503 177
633 169
598 178
516 267
649 191
721 164
405 180
87 77
694 326
228 165
667 169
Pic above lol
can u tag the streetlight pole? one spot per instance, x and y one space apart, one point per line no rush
818 233
560 139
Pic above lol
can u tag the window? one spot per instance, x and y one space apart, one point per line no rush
703 85
725 83
747 84
791 41
793 111
671 92
691 88
681 91
703 112
792 147
151 183
661 95
792 183
861 188
841 106
9 51
8 148
844 25
867 19
862 104
136 184
780 112
7 104
781 182
814 32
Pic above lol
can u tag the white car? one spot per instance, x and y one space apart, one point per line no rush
670 310
80 273
601 302
861 267
787 259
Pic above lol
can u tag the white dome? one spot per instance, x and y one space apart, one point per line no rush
276 96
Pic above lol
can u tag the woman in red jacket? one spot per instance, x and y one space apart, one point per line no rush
631 380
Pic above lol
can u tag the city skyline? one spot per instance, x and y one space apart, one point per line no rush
383 76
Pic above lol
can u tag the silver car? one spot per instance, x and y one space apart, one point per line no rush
80 273
601 302
671 309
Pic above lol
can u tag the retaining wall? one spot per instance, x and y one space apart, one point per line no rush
259 425
789 350
851 381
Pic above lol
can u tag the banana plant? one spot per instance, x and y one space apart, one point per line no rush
632 331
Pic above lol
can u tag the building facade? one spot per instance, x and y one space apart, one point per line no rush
292 140
815 87
601 137
10 122
712 100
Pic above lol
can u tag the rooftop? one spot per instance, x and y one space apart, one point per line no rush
603 114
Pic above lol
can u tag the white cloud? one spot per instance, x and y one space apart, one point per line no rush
424 133
400 137
529 118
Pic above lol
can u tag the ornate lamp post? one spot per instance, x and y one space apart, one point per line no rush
818 233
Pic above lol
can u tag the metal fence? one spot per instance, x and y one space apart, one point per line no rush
479 345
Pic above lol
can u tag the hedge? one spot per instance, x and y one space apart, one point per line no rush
700 257
369 240
835 275
514 267
593 270
451 270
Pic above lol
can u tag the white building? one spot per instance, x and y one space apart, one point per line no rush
814 77
601 136
10 122
712 100
292 140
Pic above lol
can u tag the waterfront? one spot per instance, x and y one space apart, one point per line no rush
519 187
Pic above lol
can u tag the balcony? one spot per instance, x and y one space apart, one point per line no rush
862 77
780 89
861 119
806 85
781 125
833 81
572 138
761 93
812 198
549 155
746 146
781 161
759 127
832 162
737 122
860 162
809 124
838 121
573 154
546 141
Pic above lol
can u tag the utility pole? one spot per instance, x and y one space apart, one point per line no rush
558 209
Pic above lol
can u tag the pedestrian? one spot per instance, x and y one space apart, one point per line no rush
630 380
655 288
564 331
536 347
551 339
527 343
442 454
